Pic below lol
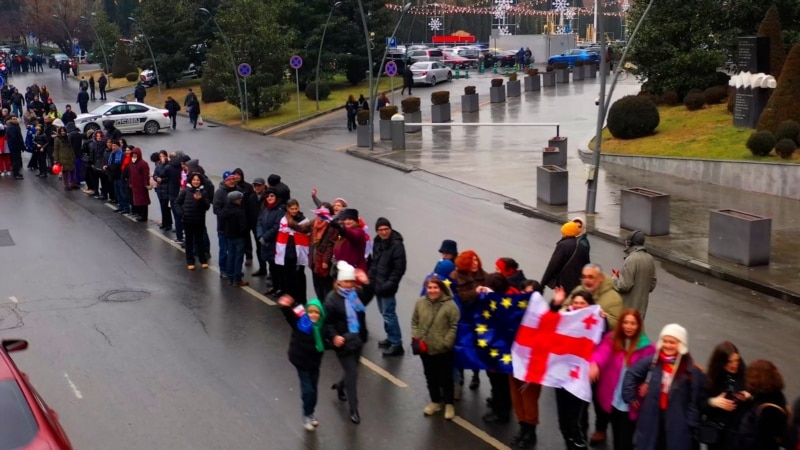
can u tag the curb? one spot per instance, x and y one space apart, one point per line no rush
376 158
668 255
299 121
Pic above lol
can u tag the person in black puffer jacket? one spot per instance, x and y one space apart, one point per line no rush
385 272
191 205
267 233
103 184
233 224
161 159
306 348
174 173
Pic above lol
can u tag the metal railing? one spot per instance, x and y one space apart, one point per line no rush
489 124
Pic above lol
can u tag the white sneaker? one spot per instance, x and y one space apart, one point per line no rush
314 420
307 423
432 409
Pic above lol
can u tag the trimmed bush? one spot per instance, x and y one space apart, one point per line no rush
324 90
410 105
633 117
133 76
209 92
440 97
670 98
362 117
771 28
549 68
469 90
532 72
761 143
122 64
694 101
783 104
715 94
788 129
512 76
388 111
561 65
785 148
497 82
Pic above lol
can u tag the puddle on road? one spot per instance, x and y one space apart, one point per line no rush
121 296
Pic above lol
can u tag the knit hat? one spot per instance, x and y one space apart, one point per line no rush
258 181
635 238
382 222
679 333
226 174
235 195
273 179
449 246
570 229
230 178
271 190
444 268
345 272
348 213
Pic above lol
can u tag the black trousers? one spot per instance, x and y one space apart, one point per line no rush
166 212
322 285
16 162
623 429
41 162
601 417
439 376
140 211
276 272
106 186
501 393
102 93
571 411
350 363
173 118
90 176
91 92
194 235
294 282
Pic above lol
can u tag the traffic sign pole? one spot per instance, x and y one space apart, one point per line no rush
391 71
244 70
297 82
296 62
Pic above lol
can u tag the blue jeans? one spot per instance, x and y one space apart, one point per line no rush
123 202
309 380
387 306
223 255
235 259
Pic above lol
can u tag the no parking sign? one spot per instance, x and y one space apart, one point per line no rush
391 68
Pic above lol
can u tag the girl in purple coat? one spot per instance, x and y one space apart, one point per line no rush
618 351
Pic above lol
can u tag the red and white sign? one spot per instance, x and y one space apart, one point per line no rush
554 348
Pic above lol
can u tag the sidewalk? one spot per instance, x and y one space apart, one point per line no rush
503 160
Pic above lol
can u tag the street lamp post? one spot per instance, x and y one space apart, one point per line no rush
319 54
369 62
97 36
155 66
71 42
242 105
385 52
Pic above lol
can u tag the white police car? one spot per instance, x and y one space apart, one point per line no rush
128 117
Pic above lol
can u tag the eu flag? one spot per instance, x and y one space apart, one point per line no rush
485 335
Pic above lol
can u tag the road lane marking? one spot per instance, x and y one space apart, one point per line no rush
382 372
13 299
480 434
214 269
73 387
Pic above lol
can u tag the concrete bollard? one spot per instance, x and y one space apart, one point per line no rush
552 185
398 132
559 142
645 210
740 237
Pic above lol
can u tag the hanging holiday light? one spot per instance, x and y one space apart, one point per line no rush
435 24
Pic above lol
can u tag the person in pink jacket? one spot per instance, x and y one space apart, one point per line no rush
618 351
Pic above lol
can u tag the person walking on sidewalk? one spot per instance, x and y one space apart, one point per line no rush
433 335
140 93
102 82
351 107
172 108
408 80
91 87
637 279
387 269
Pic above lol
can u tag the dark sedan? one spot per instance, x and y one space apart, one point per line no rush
501 57
571 56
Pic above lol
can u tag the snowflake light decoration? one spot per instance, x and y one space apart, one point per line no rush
501 8
560 29
560 5
625 6
503 31
569 14
435 24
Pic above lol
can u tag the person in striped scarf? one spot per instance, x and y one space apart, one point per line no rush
291 250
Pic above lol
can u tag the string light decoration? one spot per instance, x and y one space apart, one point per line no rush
487 7
560 5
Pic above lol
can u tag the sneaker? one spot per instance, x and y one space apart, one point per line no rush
314 420
177 241
307 423
395 350
432 409
475 383
204 265
449 412
191 267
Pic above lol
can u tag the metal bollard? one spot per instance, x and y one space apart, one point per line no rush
458 72
466 73
398 132
482 69
495 68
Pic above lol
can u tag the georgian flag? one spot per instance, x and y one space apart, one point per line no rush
554 348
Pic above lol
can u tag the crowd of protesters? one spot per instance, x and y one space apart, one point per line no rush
651 392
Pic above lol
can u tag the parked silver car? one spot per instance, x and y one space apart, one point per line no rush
431 73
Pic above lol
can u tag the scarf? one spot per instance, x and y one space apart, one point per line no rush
318 230
669 364
305 324
352 305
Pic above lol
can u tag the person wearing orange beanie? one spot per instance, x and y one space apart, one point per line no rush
564 268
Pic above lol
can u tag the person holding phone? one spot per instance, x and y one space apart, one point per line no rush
726 391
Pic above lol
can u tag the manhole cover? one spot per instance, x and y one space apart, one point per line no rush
124 296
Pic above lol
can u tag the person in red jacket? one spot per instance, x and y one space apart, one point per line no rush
139 183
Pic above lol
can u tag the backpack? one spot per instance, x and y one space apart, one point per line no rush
769 415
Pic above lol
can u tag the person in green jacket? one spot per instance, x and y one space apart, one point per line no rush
601 287
433 333
637 278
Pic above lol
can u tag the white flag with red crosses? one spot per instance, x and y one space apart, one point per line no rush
554 348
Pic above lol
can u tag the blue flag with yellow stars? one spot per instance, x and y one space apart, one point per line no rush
484 340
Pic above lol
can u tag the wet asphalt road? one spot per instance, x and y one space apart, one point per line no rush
189 362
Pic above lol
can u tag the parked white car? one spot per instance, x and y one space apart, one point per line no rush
128 117
431 73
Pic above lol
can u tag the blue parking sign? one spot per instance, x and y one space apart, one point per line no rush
391 42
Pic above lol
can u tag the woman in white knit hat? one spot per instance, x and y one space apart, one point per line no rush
667 391
345 311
